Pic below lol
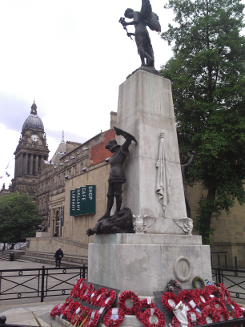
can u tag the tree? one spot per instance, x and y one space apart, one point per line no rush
18 217
207 72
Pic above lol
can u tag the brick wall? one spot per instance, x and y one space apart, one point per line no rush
98 152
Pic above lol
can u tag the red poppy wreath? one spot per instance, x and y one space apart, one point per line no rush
109 299
169 301
125 296
56 310
76 289
110 321
143 305
210 315
153 318
99 296
187 296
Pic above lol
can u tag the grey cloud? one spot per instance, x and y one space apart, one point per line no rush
13 111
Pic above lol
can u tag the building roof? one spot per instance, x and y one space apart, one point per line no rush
61 150
33 121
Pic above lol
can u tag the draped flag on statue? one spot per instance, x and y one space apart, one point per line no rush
163 176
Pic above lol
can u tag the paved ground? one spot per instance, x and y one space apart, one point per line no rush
19 310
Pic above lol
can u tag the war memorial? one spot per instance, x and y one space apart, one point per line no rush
144 239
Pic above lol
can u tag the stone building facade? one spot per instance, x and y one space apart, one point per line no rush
227 240
74 165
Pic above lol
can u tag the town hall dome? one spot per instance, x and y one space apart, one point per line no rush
33 121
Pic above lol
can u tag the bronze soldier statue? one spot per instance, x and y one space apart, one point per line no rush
116 179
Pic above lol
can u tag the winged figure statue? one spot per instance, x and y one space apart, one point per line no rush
141 20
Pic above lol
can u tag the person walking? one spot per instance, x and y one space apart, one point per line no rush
58 256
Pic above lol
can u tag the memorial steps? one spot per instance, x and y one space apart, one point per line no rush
48 258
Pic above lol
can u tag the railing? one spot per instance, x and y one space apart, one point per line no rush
221 257
233 279
41 283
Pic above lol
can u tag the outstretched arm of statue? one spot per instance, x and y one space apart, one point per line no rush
192 153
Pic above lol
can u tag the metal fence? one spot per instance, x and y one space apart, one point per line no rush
39 283
233 280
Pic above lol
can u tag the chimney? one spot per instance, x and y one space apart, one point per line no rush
113 119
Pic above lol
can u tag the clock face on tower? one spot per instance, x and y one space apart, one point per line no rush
34 137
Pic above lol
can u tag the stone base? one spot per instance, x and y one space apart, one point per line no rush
144 263
42 234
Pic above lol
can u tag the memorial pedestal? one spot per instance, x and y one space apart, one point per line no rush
144 263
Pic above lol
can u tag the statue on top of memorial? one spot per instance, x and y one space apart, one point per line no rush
141 20
121 221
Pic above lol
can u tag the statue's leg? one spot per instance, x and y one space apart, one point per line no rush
141 52
118 195
149 55
110 201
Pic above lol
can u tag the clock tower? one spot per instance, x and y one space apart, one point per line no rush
30 152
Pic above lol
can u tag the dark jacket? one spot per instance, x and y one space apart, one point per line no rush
58 254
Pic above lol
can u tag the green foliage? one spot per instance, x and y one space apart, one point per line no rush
208 81
18 217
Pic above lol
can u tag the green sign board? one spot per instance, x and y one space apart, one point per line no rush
83 200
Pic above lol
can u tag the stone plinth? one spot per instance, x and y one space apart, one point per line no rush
42 234
145 109
143 263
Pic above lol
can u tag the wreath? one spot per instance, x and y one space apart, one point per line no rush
87 295
81 317
169 297
94 321
155 320
83 289
143 305
76 289
56 310
98 297
109 322
214 290
226 293
194 282
187 296
125 296
109 299
192 313
202 298
223 314
216 303
72 309
238 312
175 322
65 309
210 314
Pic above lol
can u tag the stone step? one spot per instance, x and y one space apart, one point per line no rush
47 261
74 259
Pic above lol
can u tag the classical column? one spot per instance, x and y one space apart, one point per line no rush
60 227
31 164
36 165
21 164
26 164
54 226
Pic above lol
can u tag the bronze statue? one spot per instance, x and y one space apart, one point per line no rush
141 20
116 179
